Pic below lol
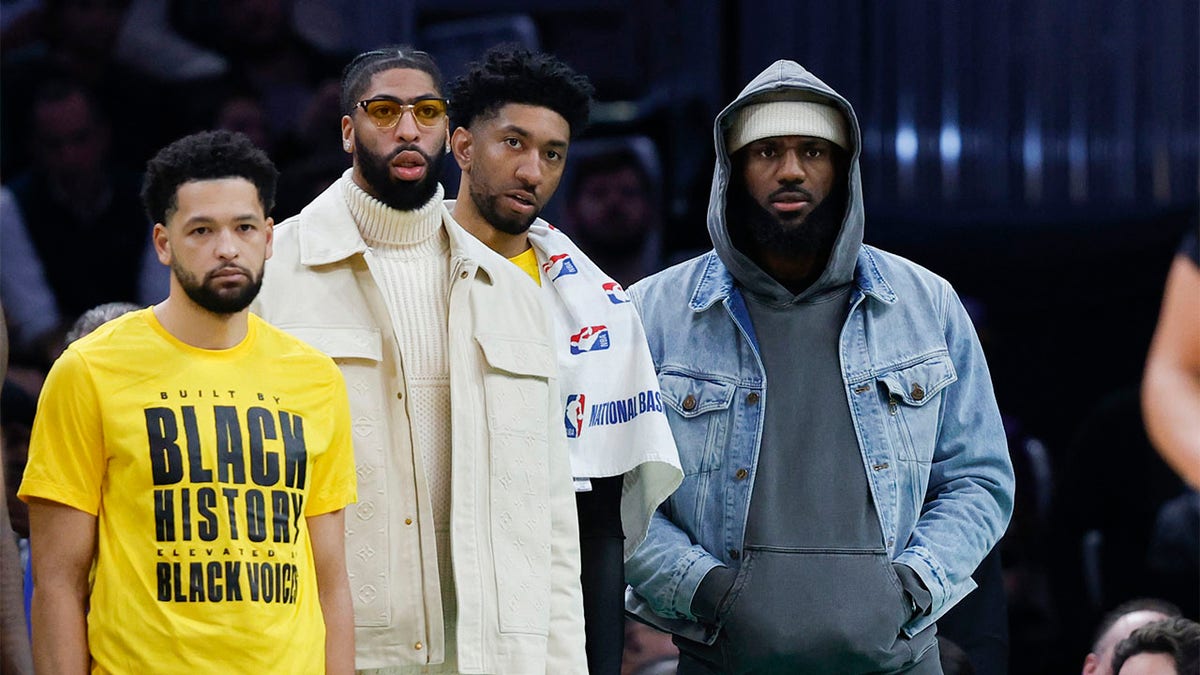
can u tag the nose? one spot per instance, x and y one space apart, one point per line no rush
529 169
791 169
406 127
227 245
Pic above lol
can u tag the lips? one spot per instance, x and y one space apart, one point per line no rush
409 165
791 200
229 273
522 200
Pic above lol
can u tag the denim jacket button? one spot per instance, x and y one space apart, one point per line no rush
752 397
917 392
741 474
689 403
734 554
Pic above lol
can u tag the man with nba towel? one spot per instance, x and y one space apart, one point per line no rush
198 457
518 111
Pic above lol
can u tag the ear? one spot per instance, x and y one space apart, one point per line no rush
1091 664
162 243
462 145
347 134
270 224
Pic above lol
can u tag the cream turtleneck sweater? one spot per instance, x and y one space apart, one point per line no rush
412 250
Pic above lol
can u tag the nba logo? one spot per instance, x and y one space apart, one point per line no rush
616 294
559 266
590 339
573 416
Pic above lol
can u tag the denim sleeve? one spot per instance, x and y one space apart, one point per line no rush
667 569
969 497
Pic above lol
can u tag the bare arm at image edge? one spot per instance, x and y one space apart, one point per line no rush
1171 385
327 532
63 544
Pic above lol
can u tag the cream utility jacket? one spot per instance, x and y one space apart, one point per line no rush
514 533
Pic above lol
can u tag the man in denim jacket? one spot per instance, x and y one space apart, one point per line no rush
825 524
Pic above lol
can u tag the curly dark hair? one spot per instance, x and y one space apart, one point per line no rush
511 74
1177 637
357 74
207 155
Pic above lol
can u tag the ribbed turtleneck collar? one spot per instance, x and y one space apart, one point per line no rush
381 225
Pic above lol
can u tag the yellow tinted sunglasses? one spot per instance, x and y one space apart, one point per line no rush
385 113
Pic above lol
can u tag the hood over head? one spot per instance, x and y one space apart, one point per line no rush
786 99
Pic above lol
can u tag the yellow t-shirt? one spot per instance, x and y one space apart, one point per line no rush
201 466
528 263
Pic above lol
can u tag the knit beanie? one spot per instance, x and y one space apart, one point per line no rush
786 118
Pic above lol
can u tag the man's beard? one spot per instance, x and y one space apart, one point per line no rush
204 292
399 194
814 236
514 224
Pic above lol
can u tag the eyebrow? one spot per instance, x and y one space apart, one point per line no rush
388 97
205 220
525 132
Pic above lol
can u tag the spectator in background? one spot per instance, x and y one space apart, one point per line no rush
31 310
98 316
1171 384
15 655
645 647
1117 625
80 209
1167 647
614 213
78 42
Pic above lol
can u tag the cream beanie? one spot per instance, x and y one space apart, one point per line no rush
786 118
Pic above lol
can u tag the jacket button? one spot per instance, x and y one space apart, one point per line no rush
880 467
752 397
461 275
741 474
400 394
734 554
689 402
418 646
917 392
408 521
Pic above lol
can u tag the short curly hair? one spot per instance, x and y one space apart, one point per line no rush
208 155
510 74
357 74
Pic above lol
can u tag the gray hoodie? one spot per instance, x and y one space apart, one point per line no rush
815 590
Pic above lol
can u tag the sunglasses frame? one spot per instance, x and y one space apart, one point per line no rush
404 108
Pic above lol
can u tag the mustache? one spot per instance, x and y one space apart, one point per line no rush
410 147
230 266
792 190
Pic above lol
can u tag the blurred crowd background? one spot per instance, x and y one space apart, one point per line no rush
1043 156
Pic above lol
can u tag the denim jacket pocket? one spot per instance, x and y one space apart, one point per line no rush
698 411
913 398
516 388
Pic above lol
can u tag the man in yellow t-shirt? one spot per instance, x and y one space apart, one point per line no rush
197 457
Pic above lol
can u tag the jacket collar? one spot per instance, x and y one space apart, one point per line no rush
716 283
328 234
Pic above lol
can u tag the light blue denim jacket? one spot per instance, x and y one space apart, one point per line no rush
921 398
914 375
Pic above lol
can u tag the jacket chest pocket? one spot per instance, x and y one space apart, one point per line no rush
516 390
913 397
699 413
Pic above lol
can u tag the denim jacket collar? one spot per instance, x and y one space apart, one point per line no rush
717 284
